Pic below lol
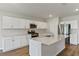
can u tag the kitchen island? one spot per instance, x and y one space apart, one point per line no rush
46 46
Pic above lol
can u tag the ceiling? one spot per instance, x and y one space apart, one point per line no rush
41 10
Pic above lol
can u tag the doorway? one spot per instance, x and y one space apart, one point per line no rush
67 31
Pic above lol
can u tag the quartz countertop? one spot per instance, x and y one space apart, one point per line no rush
48 40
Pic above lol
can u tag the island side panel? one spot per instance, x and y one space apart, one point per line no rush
53 49
34 48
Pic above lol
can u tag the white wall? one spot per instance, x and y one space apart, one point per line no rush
53 25
76 17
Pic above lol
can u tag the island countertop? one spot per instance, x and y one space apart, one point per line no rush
48 40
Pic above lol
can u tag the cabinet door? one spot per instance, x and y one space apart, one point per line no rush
27 24
44 25
41 25
7 22
19 23
17 42
8 44
20 41
24 41
14 23
22 23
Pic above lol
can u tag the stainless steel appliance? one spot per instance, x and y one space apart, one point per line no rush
32 30
33 33
65 29
32 26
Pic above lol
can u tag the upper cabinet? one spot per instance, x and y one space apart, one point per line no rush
27 22
18 23
40 24
11 22
7 22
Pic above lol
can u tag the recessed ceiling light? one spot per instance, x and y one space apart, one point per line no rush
76 9
50 15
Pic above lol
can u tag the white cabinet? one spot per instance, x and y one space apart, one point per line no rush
19 23
27 24
7 22
14 23
16 42
7 44
10 43
40 24
22 41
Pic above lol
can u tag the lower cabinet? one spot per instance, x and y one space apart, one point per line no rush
7 44
16 43
11 43
23 41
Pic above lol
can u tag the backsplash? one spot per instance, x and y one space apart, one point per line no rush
41 31
23 32
13 32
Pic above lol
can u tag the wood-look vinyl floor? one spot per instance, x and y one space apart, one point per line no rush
70 50
17 52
